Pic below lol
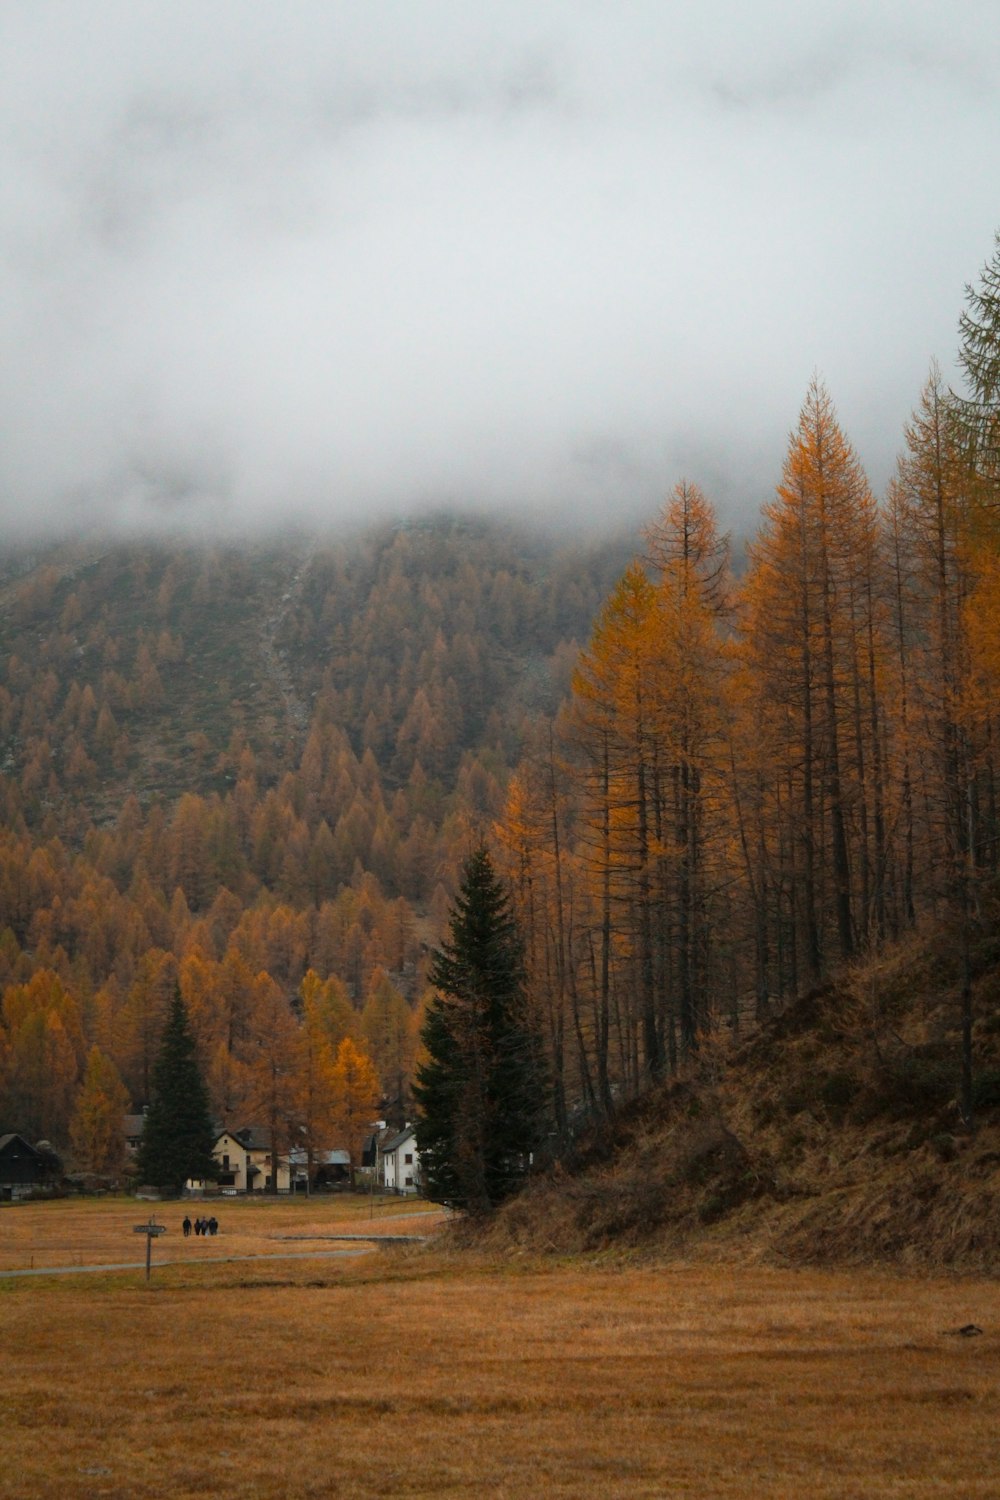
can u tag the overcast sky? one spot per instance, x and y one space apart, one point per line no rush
273 260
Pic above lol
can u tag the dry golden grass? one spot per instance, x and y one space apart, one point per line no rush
100 1231
416 1373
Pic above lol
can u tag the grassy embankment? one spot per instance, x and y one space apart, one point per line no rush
416 1372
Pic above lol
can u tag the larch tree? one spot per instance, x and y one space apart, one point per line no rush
41 1026
532 837
315 1085
272 1057
807 599
689 672
897 584
355 1089
96 1128
332 1005
386 1025
941 480
614 728
931 493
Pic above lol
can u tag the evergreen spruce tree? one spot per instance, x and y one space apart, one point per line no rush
177 1136
481 1090
978 413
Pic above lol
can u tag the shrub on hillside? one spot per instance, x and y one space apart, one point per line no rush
986 1090
838 1092
914 1083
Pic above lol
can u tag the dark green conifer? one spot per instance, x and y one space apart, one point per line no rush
481 1091
978 413
177 1136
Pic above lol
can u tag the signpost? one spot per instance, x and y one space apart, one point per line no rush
151 1231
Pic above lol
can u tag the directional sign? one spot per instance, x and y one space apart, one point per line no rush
151 1231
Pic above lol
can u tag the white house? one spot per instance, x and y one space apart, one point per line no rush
401 1162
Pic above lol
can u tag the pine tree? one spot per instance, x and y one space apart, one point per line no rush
177 1136
979 355
481 1087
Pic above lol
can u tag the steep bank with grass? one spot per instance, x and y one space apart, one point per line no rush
831 1135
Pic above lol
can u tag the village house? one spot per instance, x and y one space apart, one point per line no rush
401 1162
246 1163
24 1167
133 1127
330 1169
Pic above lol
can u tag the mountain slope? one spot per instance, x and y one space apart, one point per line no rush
422 643
831 1135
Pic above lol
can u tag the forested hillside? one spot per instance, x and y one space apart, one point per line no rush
256 770
757 783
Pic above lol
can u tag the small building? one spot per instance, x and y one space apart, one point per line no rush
246 1163
330 1169
401 1162
23 1167
133 1127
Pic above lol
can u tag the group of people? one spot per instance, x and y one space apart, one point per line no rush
200 1226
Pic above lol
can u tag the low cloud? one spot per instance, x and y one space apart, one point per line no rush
335 262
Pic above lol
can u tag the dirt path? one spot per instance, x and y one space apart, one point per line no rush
166 1260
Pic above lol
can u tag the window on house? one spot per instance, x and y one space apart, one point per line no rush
408 1158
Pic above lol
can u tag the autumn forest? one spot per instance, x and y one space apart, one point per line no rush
713 770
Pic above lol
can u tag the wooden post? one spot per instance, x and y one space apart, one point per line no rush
150 1230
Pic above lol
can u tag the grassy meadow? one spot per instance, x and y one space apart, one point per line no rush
101 1231
424 1371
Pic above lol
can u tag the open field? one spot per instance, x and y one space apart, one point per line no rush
418 1373
100 1231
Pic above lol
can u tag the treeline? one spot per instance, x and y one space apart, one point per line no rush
753 783
255 774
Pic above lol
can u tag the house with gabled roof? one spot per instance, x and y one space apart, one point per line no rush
23 1167
330 1169
401 1162
133 1127
247 1163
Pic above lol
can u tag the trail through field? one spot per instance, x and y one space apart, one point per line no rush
140 1265
66 1236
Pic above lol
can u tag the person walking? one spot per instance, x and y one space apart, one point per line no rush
186 1226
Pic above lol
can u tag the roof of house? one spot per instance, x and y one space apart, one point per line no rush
134 1125
9 1143
298 1158
250 1137
394 1143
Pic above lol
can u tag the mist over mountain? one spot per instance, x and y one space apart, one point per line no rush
541 259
